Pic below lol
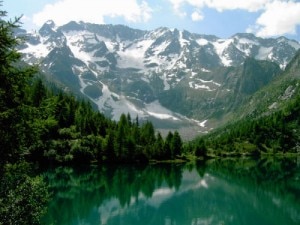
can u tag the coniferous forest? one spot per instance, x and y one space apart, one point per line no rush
45 124
48 126
42 124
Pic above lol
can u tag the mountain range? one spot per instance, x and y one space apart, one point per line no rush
176 79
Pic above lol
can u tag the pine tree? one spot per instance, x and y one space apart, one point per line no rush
176 145
38 93
167 146
200 148
22 198
158 147
13 81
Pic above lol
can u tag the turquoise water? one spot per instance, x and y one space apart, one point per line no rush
239 191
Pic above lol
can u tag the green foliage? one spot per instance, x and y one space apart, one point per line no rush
80 191
38 93
274 133
176 145
13 80
50 126
200 149
22 197
66 130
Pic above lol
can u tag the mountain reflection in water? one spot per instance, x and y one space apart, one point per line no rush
231 191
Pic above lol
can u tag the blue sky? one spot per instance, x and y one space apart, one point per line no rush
223 18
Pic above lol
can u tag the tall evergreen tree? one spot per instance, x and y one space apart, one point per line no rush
158 147
13 81
176 145
22 198
38 93
167 146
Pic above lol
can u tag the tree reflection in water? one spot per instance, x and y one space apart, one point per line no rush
231 191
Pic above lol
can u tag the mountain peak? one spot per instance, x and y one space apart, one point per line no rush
50 23
47 28
180 70
162 44
73 26
245 35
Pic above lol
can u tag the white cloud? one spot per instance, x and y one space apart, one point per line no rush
221 5
177 4
279 18
196 16
248 5
93 11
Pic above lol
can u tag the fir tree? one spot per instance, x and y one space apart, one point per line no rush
13 82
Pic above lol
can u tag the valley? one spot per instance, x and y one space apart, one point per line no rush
176 79
107 124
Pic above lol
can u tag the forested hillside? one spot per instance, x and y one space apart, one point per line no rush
23 196
50 126
272 123
173 78
45 125
65 130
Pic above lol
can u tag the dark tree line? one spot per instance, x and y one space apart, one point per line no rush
100 184
39 124
23 196
42 124
62 129
270 134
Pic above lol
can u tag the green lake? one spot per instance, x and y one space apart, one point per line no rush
231 191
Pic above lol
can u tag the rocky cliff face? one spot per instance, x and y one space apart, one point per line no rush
174 78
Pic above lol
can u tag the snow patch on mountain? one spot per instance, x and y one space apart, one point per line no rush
37 51
247 41
202 41
264 53
209 81
115 105
133 55
183 42
73 40
201 123
220 47
165 81
157 110
134 68
162 116
294 44
200 86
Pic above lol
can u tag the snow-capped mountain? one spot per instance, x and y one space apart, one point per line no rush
163 74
